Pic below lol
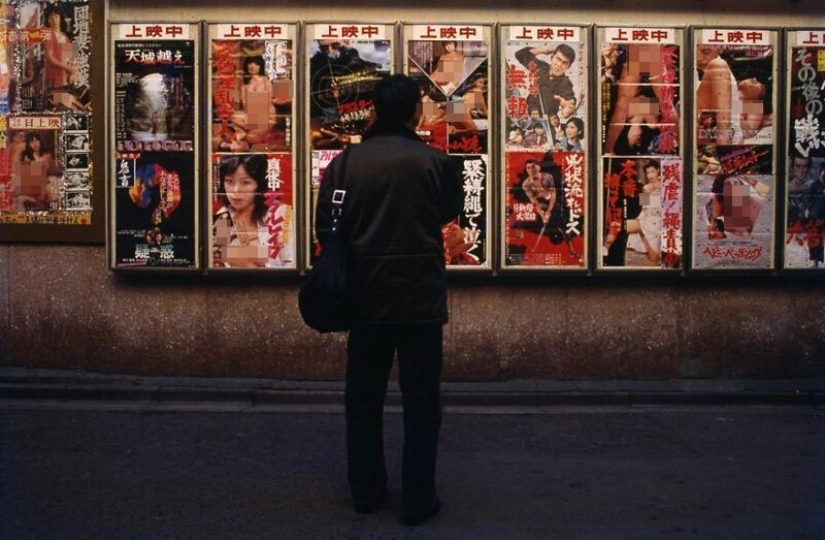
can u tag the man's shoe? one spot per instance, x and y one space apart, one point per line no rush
419 518
371 506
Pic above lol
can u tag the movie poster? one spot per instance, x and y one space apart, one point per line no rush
451 65
345 62
545 124
640 135
252 222
734 137
45 114
154 206
805 189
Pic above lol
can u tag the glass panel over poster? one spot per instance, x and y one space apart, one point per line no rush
545 169
641 172
345 62
805 192
46 188
451 65
734 144
252 181
154 190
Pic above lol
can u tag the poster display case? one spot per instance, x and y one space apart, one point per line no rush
251 188
49 68
154 186
451 63
734 144
804 220
544 128
641 148
343 64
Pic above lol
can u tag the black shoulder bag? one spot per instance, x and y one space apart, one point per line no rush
324 299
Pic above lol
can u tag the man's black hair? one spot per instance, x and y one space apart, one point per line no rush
395 99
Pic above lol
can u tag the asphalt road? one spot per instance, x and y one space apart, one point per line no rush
78 471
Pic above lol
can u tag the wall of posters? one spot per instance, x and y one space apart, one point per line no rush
45 116
640 133
805 189
545 166
734 140
345 62
251 193
451 65
154 194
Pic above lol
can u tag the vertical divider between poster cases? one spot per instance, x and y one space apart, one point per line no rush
592 229
688 244
499 93
108 161
299 148
494 177
202 142
688 157
198 146
781 150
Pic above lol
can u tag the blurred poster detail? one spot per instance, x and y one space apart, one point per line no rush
641 166
154 210
154 204
805 195
451 66
252 154
154 94
253 225
345 63
45 120
545 146
252 87
54 48
734 180
36 157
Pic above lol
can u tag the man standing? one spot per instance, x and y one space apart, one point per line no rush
399 192
555 87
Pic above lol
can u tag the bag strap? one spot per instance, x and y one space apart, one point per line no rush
339 192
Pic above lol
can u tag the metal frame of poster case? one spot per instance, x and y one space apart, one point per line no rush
544 189
251 93
458 114
803 222
343 62
67 203
735 180
641 149
154 195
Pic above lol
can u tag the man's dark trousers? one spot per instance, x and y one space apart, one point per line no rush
370 353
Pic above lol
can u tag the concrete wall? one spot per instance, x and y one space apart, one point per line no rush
61 308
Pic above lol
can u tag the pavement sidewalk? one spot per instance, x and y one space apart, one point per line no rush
23 384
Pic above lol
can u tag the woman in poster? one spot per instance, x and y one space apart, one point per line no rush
573 136
60 68
645 232
449 71
250 229
39 178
